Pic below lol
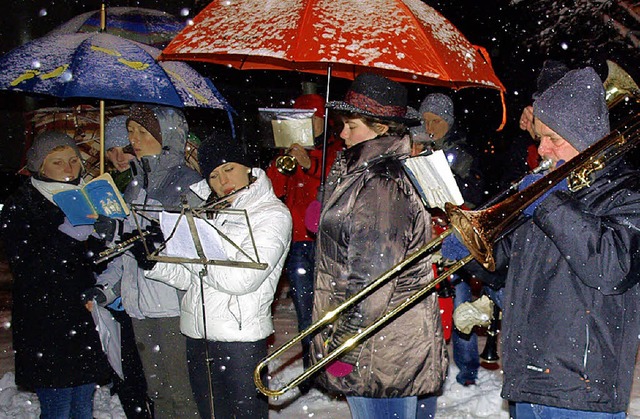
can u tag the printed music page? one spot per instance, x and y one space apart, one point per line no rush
182 243
432 177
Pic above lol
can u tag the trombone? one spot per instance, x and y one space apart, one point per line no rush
478 230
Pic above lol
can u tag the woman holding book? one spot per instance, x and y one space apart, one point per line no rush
372 218
57 348
238 299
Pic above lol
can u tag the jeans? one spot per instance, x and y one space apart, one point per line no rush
232 365
379 408
538 411
465 347
426 407
69 402
299 269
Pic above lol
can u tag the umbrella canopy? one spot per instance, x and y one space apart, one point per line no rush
148 26
106 67
405 40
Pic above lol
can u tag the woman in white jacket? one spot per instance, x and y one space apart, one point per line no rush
237 300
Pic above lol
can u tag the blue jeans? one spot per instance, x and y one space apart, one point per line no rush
465 347
299 270
426 407
378 408
68 402
538 411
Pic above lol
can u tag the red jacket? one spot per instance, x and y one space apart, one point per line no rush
299 189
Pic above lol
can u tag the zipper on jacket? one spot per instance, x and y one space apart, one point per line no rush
238 319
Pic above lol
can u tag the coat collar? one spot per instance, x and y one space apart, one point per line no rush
362 155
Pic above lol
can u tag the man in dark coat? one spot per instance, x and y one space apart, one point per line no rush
570 326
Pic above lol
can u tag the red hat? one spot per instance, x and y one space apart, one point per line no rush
311 101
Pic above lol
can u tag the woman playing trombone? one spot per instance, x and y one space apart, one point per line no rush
372 218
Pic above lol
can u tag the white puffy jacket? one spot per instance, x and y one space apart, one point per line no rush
237 299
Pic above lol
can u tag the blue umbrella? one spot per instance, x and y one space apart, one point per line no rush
105 67
149 26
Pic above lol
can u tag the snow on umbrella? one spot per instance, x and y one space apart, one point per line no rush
405 40
106 67
148 26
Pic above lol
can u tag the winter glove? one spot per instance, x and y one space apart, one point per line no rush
105 227
530 179
96 293
137 249
80 233
453 249
312 216
339 368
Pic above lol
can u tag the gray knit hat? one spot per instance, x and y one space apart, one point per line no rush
115 132
438 104
575 108
43 144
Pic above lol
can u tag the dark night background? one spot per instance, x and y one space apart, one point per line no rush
519 35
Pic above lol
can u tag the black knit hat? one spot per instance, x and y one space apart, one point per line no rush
377 97
575 108
145 116
219 149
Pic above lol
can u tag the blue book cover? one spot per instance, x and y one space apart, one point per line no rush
99 196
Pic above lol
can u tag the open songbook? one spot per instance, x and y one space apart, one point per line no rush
433 179
99 196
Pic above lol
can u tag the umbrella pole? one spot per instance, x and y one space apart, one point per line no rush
101 136
323 166
103 26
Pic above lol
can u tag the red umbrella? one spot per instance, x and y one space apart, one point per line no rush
405 40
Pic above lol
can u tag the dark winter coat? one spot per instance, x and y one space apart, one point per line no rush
571 322
54 337
372 219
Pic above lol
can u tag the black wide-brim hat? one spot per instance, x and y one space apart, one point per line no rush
377 97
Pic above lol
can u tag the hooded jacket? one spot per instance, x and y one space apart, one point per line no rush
372 219
165 177
571 323
161 180
54 337
237 299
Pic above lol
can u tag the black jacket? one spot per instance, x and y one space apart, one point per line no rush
571 323
54 337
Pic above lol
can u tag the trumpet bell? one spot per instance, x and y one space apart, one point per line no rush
286 164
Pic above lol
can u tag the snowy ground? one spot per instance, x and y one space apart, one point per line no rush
457 402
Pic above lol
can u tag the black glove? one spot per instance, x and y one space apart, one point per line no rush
138 251
96 293
105 227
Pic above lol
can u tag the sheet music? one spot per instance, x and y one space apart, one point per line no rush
432 177
182 244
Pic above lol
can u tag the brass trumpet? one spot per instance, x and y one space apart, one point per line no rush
286 164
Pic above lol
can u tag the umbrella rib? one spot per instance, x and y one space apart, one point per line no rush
426 41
